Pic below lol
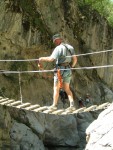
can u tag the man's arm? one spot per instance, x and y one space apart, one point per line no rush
48 59
74 61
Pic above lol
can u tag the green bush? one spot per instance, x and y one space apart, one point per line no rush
104 7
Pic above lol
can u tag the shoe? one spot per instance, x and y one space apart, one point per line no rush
52 107
71 108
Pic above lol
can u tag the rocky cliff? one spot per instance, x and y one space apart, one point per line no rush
100 132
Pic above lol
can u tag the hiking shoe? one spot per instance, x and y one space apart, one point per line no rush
52 107
71 108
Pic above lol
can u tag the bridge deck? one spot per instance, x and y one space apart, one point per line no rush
45 109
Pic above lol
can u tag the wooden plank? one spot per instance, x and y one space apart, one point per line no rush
1 97
7 102
79 110
3 100
32 107
103 106
23 105
70 109
91 108
14 103
58 112
65 113
48 111
41 108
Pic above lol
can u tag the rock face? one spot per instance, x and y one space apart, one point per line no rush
22 137
31 130
26 28
100 132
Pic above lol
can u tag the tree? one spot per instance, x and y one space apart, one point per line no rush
104 7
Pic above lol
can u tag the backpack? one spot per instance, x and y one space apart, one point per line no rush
67 49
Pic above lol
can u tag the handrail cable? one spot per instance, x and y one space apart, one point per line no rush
52 70
22 60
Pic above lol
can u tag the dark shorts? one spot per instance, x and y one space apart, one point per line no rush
66 75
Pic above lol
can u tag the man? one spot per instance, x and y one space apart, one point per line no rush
59 55
81 102
88 100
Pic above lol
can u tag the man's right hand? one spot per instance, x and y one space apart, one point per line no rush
39 64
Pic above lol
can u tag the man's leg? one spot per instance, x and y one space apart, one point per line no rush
55 96
69 93
56 93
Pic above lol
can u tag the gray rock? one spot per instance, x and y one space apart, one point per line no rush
100 132
29 129
61 130
36 122
23 138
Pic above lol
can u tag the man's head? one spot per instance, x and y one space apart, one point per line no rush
57 39
87 95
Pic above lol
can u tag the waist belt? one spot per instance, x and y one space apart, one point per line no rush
64 64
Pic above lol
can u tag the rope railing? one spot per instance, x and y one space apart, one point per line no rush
39 71
25 60
18 60
21 98
52 70
104 51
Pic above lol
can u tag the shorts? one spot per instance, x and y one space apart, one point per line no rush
66 75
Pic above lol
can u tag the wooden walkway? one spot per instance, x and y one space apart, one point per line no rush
45 109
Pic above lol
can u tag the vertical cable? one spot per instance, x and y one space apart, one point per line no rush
20 88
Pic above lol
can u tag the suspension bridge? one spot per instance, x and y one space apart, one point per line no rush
37 108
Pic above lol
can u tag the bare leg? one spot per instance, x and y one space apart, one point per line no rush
56 94
69 93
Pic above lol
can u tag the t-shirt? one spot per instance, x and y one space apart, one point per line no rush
60 53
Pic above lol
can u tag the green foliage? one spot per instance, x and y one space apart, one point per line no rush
104 7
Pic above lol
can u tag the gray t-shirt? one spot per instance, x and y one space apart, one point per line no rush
60 53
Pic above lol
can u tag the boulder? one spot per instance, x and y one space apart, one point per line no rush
100 132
